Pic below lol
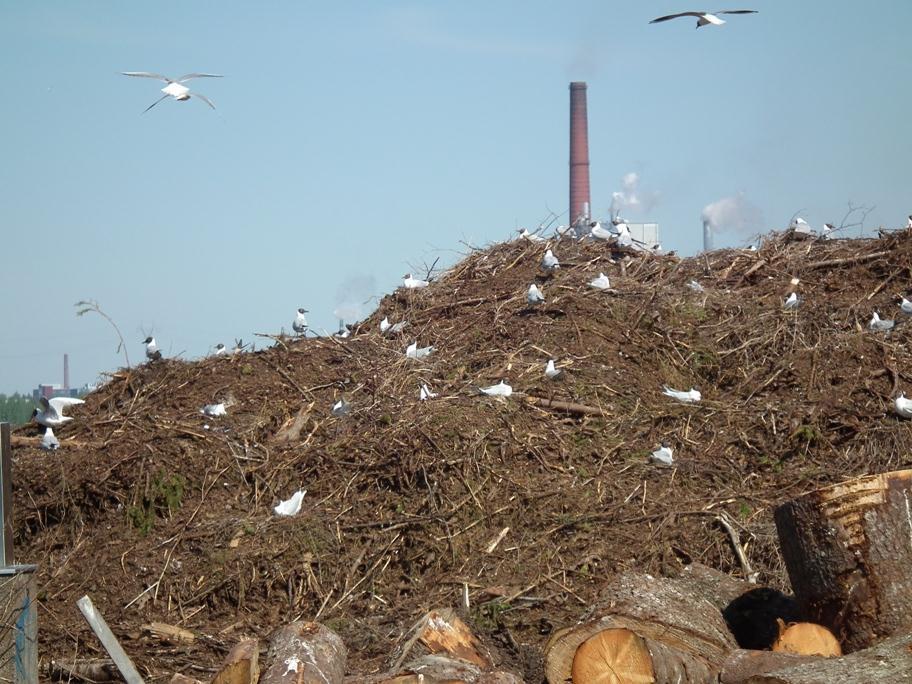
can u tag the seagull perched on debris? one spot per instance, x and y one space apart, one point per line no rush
51 412
879 324
300 322
549 261
600 283
905 306
826 232
903 406
662 455
215 410
291 506
220 349
909 222
599 233
690 397
152 352
534 295
531 237
502 389
387 327
424 393
792 301
175 87
414 352
550 371
341 408
413 283
49 441
703 18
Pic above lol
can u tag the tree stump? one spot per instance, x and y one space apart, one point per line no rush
848 551
651 629
305 653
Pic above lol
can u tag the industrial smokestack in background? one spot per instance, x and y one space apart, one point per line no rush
579 153
66 372
707 236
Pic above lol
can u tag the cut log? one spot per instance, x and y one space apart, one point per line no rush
613 656
806 638
241 665
889 661
83 671
305 653
684 635
848 550
743 664
453 655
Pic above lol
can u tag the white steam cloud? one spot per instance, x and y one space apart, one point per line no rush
730 214
631 198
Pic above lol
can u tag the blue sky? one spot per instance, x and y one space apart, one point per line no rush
355 140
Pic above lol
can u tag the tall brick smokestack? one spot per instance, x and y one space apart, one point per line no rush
579 152
66 371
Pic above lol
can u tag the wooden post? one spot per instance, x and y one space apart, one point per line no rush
6 496
18 624
109 641
848 551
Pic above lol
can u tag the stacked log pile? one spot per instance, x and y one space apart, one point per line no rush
848 551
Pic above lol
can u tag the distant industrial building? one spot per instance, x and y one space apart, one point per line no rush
53 390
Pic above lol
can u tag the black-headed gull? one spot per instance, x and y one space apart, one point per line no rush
220 349
909 223
549 261
534 295
410 283
879 324
703 18
215 410
692 396
175 87
341 408
291 506
792 301
550 371
424 393
662 455
903 406
905 306
49 441
413 351
152 352
531 237
300 322
827 232
600 283
501 389
51 412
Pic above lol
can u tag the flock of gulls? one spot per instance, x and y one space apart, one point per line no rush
51 411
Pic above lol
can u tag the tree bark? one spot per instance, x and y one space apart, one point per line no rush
848 552
743 664
889 661
305 653
683 632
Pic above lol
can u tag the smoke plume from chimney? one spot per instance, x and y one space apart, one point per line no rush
730 213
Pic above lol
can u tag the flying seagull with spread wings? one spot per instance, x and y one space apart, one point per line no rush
175 87
704 18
